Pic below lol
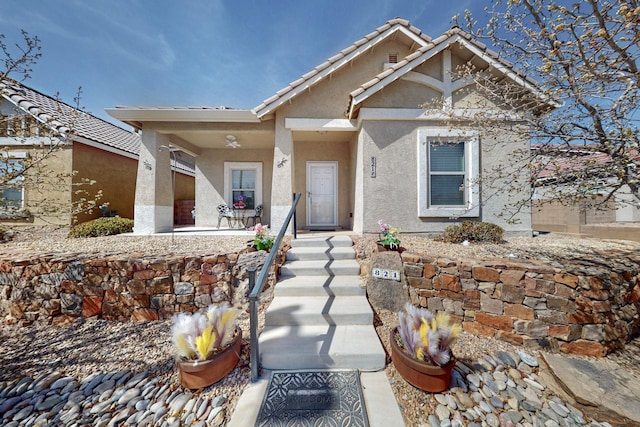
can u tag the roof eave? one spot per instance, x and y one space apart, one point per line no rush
136 115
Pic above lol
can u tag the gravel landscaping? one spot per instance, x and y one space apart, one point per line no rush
94 345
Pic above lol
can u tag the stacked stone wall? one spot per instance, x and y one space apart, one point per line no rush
58 289
588 306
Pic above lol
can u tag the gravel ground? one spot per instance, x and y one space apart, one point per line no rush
95 345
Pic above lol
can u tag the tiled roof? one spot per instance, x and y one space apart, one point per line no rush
564 162
62 118
337 61
423 53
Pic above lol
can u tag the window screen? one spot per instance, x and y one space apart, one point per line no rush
446 173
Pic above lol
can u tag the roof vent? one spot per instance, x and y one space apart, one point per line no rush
393 58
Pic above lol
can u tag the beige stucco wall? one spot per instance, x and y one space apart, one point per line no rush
341 152
115 175
48 189
392 194
210 181
328 99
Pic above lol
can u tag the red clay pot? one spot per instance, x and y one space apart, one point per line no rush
423 375
195 374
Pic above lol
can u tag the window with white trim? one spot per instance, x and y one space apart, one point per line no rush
243 184
448 171
12 182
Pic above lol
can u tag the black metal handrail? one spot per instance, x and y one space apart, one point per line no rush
256 286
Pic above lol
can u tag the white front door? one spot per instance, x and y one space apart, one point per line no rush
322 186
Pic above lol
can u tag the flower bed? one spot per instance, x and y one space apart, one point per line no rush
588 306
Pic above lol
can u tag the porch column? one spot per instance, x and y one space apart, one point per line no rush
282 181
153 210
358 202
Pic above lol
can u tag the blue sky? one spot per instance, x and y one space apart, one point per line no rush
198 52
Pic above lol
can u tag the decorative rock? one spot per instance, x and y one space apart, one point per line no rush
23 413
179 402
492 420
474 379
215 416
61 382
441 398
100 407
49 403
104 386
46 381
128 395
433 421
506 359
202 406
528 359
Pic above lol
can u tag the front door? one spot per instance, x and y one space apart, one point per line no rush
322 186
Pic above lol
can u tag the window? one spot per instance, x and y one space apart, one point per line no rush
448 173
11 182
243 184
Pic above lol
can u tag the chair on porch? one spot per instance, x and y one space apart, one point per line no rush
224 212
255 217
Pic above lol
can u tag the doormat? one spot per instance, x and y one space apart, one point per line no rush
321 398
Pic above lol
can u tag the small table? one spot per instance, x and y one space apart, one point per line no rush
239 214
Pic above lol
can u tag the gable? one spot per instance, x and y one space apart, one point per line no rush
329 97
452 50
397 30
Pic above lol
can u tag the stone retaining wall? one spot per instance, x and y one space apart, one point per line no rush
57 289
588 306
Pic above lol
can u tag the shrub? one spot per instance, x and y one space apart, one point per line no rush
105 226
473 231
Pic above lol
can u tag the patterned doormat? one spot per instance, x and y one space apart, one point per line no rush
321 398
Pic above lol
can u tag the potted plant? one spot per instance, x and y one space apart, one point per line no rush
207 345
262 241
388 237
421 348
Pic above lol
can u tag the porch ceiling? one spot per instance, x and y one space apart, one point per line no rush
326 136
218 139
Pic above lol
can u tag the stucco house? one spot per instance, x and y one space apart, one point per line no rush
80 146
351 135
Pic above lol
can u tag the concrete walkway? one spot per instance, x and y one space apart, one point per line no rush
320 319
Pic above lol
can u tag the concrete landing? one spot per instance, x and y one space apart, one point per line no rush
380 402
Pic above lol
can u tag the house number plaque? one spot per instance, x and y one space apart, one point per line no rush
381 273
373 167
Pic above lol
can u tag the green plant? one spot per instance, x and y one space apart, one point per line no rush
199 335
262 240
426 336
105 226
388 235
472 231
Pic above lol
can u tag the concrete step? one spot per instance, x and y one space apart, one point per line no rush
336 267
321 241
310 253
295 311
321 347
318 286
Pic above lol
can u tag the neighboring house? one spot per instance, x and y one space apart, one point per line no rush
349 135
84 147
590 215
